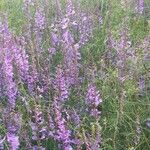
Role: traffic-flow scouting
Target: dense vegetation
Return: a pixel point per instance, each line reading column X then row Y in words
column 74, row 74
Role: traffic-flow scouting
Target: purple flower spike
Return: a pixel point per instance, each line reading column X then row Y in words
column 70, row 8
column 21, row 60
column 12, row 120
column 93, row 100
column 140, row 6
column 13, row 141
column 7, row 66
column 54, row 39
column 60, row 85
column 1, row 83
column 62, row 133
column 39, row 19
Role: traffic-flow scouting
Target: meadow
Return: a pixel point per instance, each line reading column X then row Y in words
column 74, row 74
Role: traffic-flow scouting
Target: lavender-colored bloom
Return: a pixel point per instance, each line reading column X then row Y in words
column 140, row 6
column 71, row 66
column 52, row 50
column 27, row 3
column 32, row 78
column 62, row 133
column 70, row 11
column 58, row 8
column 85, row 28
column 70, row 49
column 1, row 82
column 39, row 19
column 54, row 39
column 75, row 118
column 93, row 96
column 11, row 88
column 21, row 60
column 61, row 86
column 13, row 141
column 25, row 58
column 39, row 131
column 67, row 37
column 65, row 23
column 51, row 126
column 79, row 144
column 12, row 120
column 39, row 27
column 71, row 58
column 72, row 16
column 7, row 66
column 93, row 100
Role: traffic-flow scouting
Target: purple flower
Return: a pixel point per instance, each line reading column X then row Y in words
column 13, row 141
column 70, row 9
column 39, row 19
column 11, row 88
column 27, row 3
column 32, row 78
column 62, row 133
column 21, row 59
column 54, row 39
column 67, row 37
column 1, row 82
column 7, row 66
column 75, row 118
column 93, row 100
column 65, row 23
column 71, row 58
column 51, row 126
column 39, row 131
column 140, row 6
column 12, row 120
column 85, row 28
column 93, row 96
column 39, row 27
column 61, row 86
column 52, row 51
